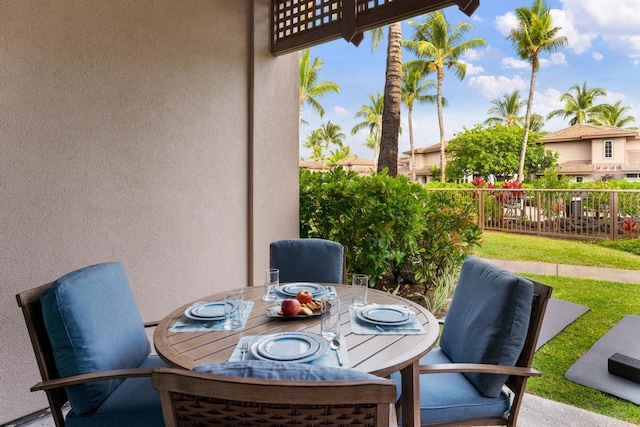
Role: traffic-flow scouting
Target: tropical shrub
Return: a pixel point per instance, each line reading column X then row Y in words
column 391, row 227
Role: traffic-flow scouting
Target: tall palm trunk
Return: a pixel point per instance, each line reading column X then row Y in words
column 443, row 158
column 412, row 164
column 392, row 100
column 527, row 119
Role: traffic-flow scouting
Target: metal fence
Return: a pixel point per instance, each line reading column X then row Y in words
column 575, row 214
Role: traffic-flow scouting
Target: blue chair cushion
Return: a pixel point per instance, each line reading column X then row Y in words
column 487, row 321
column 451, row 397
column 133, row 403
column 263, row 369
column 307, row 260
column 94, row 325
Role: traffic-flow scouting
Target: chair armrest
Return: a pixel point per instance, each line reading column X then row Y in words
column 481, row 368
column 151, row 324
column 93, row 376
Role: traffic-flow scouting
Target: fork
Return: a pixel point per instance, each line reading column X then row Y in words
column 203, row 325
column 243, row 350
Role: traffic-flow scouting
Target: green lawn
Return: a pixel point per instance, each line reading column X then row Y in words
column 608, row 303
column 532, row 248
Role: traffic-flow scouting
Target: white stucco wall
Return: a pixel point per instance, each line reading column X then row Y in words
column 143, row 132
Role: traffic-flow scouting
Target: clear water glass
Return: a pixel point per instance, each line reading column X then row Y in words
column 233, row 309
column 359, row 287
column 330, row 318
column 271, row 283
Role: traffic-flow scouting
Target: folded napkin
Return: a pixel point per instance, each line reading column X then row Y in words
column 364, row 328
column 330, row 358
column 184, row 324
column 331, row 291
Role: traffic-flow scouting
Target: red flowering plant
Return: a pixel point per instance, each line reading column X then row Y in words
column 630, row 225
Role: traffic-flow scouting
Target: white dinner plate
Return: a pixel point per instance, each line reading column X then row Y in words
column 213, row 310
column 385, row 315
column 294, row 346
column 292, row 289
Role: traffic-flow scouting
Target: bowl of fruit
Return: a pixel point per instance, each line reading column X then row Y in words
column 302, row 306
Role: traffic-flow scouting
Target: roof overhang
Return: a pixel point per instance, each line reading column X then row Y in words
column 299, row 24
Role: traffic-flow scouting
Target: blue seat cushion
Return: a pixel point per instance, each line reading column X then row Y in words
column 307, row 260
column 451, row 397
column 133, row 403
column 94, row 325
column 487, row 321
column 263, row 369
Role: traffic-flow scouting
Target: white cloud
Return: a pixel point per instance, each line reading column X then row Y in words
column 616, row 21
column 578, row 41
column 473, row 70
column 557, row 58
column 491, row 87
column 597, row 56
column 340, row 111
column 504, row 23
column 511, row 62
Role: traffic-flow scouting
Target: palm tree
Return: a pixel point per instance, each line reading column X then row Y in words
column 330, row 134
column 372, row 120
column 578, row 103
column 310, row 88
column 390, row 126
column 314, row 141
column 438, row 47
column 414, row 89
column 612, row 115
column 320, row 139
column 506, row 110
column 534, row 34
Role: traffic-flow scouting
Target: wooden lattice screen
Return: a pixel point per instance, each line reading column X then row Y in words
column 298, row 24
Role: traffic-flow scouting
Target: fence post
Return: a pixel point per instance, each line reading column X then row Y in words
column 613, row 214
column 539, row 211
column 481, row 209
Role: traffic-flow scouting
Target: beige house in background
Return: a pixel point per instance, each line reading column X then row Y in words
column 590, row 153
column 426, row 159
column 362, row 166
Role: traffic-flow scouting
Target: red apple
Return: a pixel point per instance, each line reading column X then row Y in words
column 290, row 307
column 304, row 296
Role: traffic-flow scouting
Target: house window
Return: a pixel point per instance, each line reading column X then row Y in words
column 579, row 178
column 608, row 149
column 633, row 176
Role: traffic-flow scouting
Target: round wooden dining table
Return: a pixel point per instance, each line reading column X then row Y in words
column 378, row 354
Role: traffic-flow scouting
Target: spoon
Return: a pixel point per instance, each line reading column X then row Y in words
column 335, row 345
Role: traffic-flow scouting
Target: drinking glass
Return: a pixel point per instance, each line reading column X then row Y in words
column 271, row 283
column 330, row 318
column 233, row 308
column 359, row 287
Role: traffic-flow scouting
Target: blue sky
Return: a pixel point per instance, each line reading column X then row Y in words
column 603, row 50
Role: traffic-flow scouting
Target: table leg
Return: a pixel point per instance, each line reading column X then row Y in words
column 411, row 395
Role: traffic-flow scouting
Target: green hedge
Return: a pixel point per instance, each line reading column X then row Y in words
column 388, row 225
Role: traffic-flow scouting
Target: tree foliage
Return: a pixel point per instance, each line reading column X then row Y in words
column 482, row 151
column 438, row 48
column 310, row 87
column 534, row 34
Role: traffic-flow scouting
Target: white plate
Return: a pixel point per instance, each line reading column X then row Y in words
column 385, row 315
column 213, row 310
column 292, row 289
column 298, row 346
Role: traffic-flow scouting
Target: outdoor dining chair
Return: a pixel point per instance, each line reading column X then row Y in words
column 92, row 349
column 478, row 374
column 259, row 393
column 308, row 260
